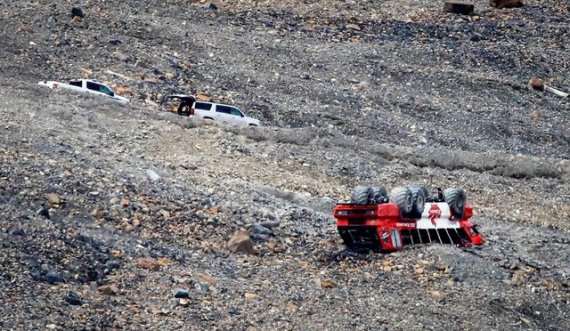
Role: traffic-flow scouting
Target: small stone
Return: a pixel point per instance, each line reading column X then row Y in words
column 148, row 263
column 208, row 279
column 181, row 293
column 202, row 287
column 233, row 311
column 419, row 270
column 435, row 294
column 536, row 114
column 500, row 4
column 73, row 299
column 463, row 7
column 251, row 297
column 53, row 199
column 165, row 214
column 536, row 84
column 108, row 289
column 125, row 202
column 210, row 6
column 51, row 326
column 54, row 278
column 441, row 266
column 152, row 175
column 44, row 211
column 77, row 12
column 184, row 302
column 241, row 243
column 327, row 284
column 353, row 27
column 112, row 265
column 291, row 306
column 260, row 229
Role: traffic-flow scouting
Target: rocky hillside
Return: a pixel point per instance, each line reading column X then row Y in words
column 120, row 217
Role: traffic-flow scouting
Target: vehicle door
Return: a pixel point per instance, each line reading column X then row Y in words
column 204, row 110
column 92, row 87
column 238, row 116
column 224, row 114
column 106, row 91
column 100, row 89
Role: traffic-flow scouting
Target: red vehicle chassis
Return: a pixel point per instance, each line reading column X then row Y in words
column 381, row 227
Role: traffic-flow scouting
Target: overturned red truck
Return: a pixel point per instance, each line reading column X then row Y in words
column 408, row 216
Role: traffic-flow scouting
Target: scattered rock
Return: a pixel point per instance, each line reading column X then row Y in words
column 181, row 293
column 54, row 278
column 108, row 289
column 536, row 114
column 435, row 295
column 151, row 174
column 260, row 229
column 53, row 200
column 77, row 12
column 112, row 265
column 251, row 297
column 327, row 284
column 353, row 27
column 184, row 302
column 201, row 287
column 536, row 84
column 500, row 4
column 241, row 243
column 463, row 7
column 44, row 211
column 210, row 6
column 208, row 279
column 152, row 264
column 73, row 299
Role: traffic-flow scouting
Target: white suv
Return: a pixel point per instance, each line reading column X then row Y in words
column 223, row 113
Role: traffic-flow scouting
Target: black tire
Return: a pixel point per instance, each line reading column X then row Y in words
column 402, row 196
column 361, row 195
column 456, row 199
column 378, row 195
column 419, row 199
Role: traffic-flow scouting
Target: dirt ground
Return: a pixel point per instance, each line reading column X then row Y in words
column 349, row 93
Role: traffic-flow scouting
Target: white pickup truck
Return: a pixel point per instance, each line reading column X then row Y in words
column 86, row 86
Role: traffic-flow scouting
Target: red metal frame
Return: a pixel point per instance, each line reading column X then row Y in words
column 382, row 227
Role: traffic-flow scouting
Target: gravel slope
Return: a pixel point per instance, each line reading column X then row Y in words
column 350, row 93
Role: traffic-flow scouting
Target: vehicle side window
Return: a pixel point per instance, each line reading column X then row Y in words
column 106, row 90
column 236, row 112
column 75, row 83
column 203, row 106
column 223, row 109
column 92, row 86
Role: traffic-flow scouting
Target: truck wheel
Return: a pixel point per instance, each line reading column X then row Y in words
column 378, row 195
column 402, row 196
column 361, row 195
column 455, row 198
column 419, row 199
